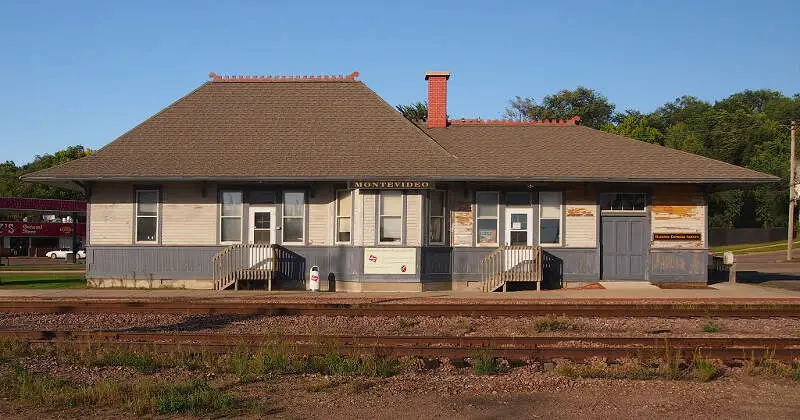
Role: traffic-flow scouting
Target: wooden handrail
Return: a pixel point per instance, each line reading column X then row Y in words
column 511, row 263
column 244, row 262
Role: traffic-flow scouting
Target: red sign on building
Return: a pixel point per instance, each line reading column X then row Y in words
column 39, row 229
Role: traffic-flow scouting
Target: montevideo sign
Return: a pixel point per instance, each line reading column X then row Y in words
column 391, row 185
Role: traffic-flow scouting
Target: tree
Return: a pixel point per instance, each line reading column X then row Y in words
column 594, row 109
column 635, row 125
column 417, row 111
column 12, row 186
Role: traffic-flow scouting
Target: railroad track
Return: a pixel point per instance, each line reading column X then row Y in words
column 211, row 307
column 728, row 349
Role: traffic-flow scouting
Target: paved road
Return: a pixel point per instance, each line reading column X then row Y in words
column 770, row 269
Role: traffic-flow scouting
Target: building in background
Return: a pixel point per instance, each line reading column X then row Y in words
column 33, row 226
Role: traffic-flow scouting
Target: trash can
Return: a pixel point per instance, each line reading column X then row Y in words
column 314, row 285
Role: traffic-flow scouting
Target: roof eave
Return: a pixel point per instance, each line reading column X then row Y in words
column 725, row 181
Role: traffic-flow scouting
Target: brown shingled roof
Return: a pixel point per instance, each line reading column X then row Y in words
column 578, row 153
column 339, row 129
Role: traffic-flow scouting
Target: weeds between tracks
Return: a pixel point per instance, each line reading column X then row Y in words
column 208, row 387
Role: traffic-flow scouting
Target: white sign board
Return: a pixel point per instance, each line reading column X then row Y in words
column 390, row 261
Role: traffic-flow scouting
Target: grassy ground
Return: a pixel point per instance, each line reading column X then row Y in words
column 44, row 267
column 753, row 248
column 42, row 280
column 188, row 382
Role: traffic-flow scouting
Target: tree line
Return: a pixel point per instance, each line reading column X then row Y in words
column 749, row 129
column 12, row 186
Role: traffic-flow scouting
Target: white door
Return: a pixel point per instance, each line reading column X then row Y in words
column 519, row 227
column 261, row 230
column 519, row 231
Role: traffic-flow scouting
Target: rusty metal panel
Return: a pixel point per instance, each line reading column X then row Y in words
column 462, row 218
column 678, row 209
column 580, row 224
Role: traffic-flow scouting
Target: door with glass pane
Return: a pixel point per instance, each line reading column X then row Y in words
column 261, row 231
column 519, row 232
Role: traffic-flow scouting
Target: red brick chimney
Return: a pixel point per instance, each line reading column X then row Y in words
column 437, row 98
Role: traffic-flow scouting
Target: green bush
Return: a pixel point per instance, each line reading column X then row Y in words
column 710, row 327
column 194, row 397
column 552, row 323
column 483, row 363
column 704, row 370
column 11, row 349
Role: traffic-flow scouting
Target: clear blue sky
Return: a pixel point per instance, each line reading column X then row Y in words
column 84, row 72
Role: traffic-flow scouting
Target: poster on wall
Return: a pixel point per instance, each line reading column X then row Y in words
column 390, row 261
column 487, row 236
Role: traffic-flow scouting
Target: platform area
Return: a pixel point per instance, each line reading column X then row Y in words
column 628, row 291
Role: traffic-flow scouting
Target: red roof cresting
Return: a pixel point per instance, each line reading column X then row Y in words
column 504, row 122
column 284, row 78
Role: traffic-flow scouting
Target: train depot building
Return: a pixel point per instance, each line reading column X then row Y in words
column 252, row 181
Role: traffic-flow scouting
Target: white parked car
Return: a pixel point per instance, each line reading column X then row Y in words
column 62, row 253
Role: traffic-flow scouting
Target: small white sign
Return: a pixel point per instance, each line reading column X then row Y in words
column 516, row 226
column 390, row 261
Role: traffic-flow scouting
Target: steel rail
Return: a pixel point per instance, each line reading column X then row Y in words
column 526, row 348
column 211, row 307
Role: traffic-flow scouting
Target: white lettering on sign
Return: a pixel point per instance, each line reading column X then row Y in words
column 390, row 261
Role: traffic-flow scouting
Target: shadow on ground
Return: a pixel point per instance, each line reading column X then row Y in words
column 788, row 281
column 194, row 323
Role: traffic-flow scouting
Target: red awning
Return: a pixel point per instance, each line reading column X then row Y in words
column 42, row 204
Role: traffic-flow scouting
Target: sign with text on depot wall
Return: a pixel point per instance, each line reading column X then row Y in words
column 677, row 236
column 393, row 184
column 390, row 261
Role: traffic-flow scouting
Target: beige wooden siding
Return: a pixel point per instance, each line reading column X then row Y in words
column 357, row 224
column 321, row 211
column 461, row 220
column 188, row 215
column 414, row 217
column 580, row 222
column 368, row 201
column 111, row 212
column 678, row 209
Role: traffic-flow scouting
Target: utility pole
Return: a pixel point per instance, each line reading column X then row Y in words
column 791, row 194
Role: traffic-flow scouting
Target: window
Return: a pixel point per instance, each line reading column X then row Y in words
column 294, row 211
column 436, row 215
column 146, row 215
column 487, row 212
column 344, row 209
column 262, row 227
column 231, row 217
column 391, row 217
column 550, row 217
column 623, row 202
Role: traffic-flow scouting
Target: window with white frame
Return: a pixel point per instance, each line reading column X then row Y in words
column 390, row 215
column 146, row 216
column 344, row 211
column 294, row 213
column 487, row 203
column 550, row 217
column 436, row 217
column 231, row 217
